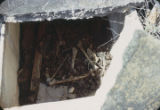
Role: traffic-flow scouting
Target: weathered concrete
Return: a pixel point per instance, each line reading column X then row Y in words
column 10, row 65
column 2, row 28
column 137, row 85
column 131, row 24
column 38, row 10
column 12, row 7
column 116, row 23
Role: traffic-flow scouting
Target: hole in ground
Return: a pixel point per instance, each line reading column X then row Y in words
column 62, row 59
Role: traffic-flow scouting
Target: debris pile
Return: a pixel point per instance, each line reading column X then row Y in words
column 150, row 17
column 63, row 53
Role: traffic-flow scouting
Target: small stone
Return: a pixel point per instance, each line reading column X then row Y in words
column 71, row 90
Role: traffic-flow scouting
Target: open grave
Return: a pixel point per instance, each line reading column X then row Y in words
column 62, row 56
column 55, row 60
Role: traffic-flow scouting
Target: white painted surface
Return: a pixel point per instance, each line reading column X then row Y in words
column 1, row 54
column 9, row 95
column 88, row 103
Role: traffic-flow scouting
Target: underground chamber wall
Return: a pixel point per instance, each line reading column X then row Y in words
column 61, row 59
column 9, row 87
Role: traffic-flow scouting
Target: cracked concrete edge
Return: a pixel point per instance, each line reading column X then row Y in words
column 131, row 24
column 101, row 10
column 2, row 31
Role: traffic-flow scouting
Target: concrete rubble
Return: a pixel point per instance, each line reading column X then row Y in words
column 137, row 84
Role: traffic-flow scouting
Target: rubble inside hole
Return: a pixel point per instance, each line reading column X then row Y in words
column 67, row 54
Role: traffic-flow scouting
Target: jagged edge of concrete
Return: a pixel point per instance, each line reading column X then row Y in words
column 131, row 25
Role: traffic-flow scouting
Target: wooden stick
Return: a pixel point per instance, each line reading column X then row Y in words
column 35, row 80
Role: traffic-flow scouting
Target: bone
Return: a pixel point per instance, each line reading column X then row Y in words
column 91, row 54
column 71, row 90
column 86, row 55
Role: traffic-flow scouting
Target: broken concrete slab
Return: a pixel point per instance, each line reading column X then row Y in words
column 137, row 85
column 131, row 24
column 12, row 7
column 133, row 75
column 37, row 10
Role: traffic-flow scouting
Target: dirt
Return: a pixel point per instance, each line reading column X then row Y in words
column 63, row 53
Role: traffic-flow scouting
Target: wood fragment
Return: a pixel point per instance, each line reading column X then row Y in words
column 36, row 71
